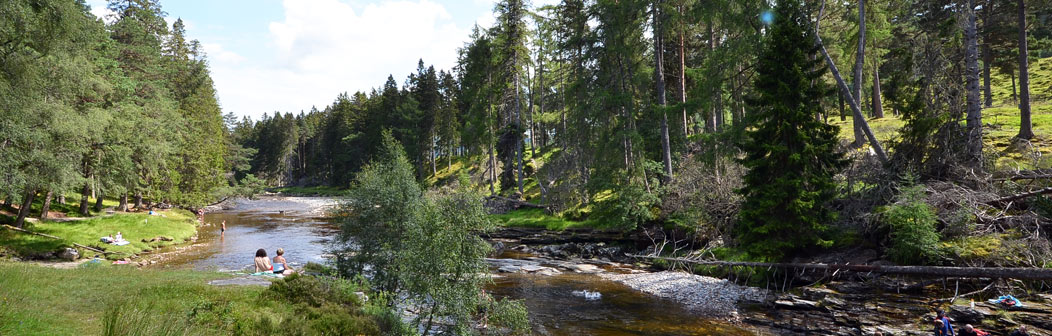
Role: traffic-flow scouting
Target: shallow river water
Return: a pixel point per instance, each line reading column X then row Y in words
column 557, row 304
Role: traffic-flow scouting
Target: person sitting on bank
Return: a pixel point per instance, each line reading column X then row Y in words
column 969, row 330
column 281, row 266
column 1020, row 332
column 947, row 329
column 262, row 262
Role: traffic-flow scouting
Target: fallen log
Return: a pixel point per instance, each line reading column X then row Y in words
column 55, row 237
column 517, row 203
column 1019, row 196
column 1023, row 273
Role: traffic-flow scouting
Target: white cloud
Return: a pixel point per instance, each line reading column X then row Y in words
column 325, row 47
column 217, row 54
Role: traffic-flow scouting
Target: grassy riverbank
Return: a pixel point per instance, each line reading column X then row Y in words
column 114, row 300
column 537, row 218
column 178, row 225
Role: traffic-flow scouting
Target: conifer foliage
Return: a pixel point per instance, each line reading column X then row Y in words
column 791, row 157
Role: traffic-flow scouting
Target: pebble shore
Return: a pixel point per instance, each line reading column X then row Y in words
column 700, row 293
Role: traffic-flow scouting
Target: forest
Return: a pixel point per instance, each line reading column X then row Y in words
column 667, row 116
column 714, row 149
column 125, row 109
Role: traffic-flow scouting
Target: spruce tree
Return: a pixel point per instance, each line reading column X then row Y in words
column 791, row 158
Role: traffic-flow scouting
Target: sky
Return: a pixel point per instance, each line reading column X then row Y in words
column 290, row 55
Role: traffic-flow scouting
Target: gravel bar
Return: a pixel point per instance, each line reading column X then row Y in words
column 704, row 294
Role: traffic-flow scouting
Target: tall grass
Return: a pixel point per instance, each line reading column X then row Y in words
column 132, row 320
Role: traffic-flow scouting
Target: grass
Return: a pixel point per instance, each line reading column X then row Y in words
column 1001, row 122
column 44, row 301
column 311, row 191
column 179, row 225
column 1001, row 125
column 538, row 218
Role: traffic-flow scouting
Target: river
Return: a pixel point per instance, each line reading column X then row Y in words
column 557, row 304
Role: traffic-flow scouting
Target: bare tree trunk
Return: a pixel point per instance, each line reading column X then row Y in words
column 683, row 79
column 98, row 201
column 877, row 148
column 434, row 157
column 710, row 118
column 974, row 119
column 659, row 78
column 1015, row 96
column 1025, row 125
column 138, row 200
column 843, row 116
column 739, row 107
column 492, row 170
column 123, row 206
column 878, row 107
column 856, row 89
column 27, row 203
column 61, row 198
column 988, row 58
column 44, row 208
column 518, row 128
column 84, row 193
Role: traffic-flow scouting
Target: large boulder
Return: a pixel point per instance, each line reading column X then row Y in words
column 67, row 253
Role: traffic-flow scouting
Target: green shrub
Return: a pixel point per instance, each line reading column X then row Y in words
column 912, row 226
column 625, row 210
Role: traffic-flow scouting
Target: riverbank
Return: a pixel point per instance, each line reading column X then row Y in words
column 115, row 300
column 143, row 231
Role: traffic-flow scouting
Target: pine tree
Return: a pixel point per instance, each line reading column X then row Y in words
column 791, row 157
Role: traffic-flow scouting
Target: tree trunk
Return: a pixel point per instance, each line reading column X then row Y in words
column 1025, row 126
column 974, row 119
column 710, row 118
column 987, row 59
column 878, row 107
column 860, row 57
column 843, row 116
column 1015, row 100
column 659, row 79
column 138, row 200
column 27, row 203
column 84, row 193
column 98, row 201
column 123, row 206
column 877, row 148
column 518, row 137
column 492, row 170
column 683, row 79
column 44, row 208
column 61, row 199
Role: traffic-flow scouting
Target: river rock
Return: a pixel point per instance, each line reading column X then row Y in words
column 585, row 268
column 67, row 253
column 967, row 314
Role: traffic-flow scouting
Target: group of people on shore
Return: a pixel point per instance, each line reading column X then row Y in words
column 279, row 266
column 944, row 328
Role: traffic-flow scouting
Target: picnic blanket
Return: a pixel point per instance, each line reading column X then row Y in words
column 268, row 274
column 1006, row 300
column 121, row 243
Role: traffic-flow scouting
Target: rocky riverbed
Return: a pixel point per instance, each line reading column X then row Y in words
column 819, row 304
column 706, row 295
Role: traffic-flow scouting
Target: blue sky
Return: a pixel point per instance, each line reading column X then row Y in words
column 289, row 55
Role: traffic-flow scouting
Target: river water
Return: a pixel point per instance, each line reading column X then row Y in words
column 557, row 304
